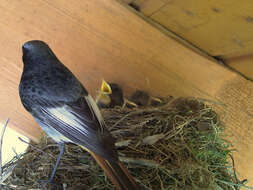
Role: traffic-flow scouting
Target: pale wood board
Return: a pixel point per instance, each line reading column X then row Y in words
column 102, row 39
column 243, row 64
column 220, row 28
column 148, row 7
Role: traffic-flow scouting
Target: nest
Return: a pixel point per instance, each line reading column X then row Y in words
column 175, row 145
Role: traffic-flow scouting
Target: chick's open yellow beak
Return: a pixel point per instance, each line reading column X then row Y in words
column 105, row 88
column 103, row 95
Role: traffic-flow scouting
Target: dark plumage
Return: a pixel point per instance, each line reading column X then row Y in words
column 66, row 112
column 46, row 84
column 117, row 98
column 141, row 98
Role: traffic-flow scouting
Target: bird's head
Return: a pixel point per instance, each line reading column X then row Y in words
column 38, row 52
column 103, row 98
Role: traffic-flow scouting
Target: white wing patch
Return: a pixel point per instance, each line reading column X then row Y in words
column 53, row 133
column 65, row 116
column 93, row 106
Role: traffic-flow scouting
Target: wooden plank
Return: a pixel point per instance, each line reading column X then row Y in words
column 230, row 38
column 102, row 39
column 149, row 7
column 217, row 27
column 128, row 1
column 242, row 64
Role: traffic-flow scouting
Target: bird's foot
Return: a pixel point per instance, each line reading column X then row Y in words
column 45, row 184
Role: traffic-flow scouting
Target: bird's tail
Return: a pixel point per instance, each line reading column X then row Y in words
column 117, row 172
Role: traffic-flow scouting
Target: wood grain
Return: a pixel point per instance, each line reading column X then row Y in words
column 242, row 64
column 218, row 28
column 221, row 28
column 149, row 7
column 102, row 39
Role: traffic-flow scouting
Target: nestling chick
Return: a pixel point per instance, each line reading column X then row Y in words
column 110, row 95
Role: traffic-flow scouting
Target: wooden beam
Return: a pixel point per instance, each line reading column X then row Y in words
column 102, row 39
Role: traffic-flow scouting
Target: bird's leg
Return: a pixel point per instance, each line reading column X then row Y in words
column 61, row 148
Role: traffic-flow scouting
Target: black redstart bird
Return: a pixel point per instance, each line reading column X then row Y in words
column 66, row 112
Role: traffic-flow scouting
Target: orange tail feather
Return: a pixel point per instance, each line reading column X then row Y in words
column 117, row 173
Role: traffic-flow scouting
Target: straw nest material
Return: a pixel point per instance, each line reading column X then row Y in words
column 175, row 145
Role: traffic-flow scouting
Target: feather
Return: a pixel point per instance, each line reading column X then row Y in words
column 76, row 122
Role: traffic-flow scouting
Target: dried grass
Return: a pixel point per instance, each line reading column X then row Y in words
column 176, row 145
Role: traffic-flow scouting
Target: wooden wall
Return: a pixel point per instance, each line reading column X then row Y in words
column 220, row 28
column 103, row 39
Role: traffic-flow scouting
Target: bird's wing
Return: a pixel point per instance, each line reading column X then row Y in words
column 79, row 122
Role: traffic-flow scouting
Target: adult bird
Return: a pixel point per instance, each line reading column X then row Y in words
column 66, row 112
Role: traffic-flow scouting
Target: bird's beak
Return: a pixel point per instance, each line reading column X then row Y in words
column 105, row 88
column 28, row 45
column 24, row 48
column 103, row 97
